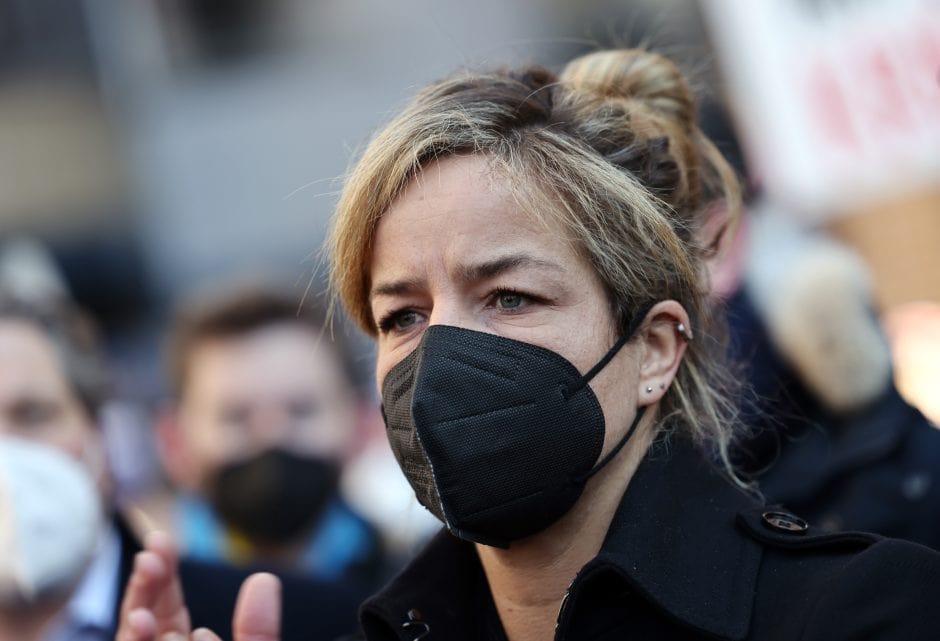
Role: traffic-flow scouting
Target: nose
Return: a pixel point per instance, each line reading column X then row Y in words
column 454, row 313
column 271, row 426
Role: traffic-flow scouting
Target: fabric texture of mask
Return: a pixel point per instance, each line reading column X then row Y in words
column 50, row 520
column 275, row 497
column 496, row 436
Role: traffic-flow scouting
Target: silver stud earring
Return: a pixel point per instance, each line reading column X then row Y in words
column 682, row 330
column 649, row 390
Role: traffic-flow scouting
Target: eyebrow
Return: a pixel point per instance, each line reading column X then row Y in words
column 503, row 264
column 394, row 288
column 470, row 273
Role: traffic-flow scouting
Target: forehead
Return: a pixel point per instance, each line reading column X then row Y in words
column 283, row 354
column 28, row 360
column 463, row 206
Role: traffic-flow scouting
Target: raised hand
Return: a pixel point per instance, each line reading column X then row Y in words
column 154, row 607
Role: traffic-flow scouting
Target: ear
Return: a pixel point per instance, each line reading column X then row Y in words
column 724, row 237
column 663, row 339
column 170, row 439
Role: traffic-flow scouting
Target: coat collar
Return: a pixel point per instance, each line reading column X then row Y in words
column 440, row 587
column 673, row 540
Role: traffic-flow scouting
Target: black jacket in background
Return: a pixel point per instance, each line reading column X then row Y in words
column 688, row 556
column 876, row 469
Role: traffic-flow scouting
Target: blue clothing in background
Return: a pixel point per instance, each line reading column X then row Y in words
column 343, row 544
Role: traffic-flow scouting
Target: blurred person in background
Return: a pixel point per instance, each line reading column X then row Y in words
column 53, row 382
column 50, row 521
column 830, row 436
column 267, row 412
column 833, row 439
column 523, row 247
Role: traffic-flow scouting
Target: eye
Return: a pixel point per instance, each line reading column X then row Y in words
column 511, row 300
column 33, row 414
column 235, row 416
column 398, row 321
column 302, row 409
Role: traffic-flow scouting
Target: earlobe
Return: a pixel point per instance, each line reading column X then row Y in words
column 665, row 335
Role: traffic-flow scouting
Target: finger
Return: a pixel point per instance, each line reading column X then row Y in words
column 170, row 610
column 160, row 543
column 155, row 586
column 150, row 573
column 145, row 583
column 137, row 625
column 258, row 609
column 204, row 634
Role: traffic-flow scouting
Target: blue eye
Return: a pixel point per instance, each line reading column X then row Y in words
column 405, row 319
column 509, row 300
column 398, row 321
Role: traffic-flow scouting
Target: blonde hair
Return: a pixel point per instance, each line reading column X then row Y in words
column 610, row 150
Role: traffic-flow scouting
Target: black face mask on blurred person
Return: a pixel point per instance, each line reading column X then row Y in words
column 275, row 497
column 497, row 437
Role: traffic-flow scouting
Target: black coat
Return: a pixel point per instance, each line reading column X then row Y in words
column 688, row 556
column 311, row 609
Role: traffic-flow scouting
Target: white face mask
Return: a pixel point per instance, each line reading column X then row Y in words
column 50, row 518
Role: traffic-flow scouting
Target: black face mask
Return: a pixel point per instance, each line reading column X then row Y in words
column 274, row 497
column 497, row 437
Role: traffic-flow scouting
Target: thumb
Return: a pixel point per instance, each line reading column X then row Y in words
column 258, row 609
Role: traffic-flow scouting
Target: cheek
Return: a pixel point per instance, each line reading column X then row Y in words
column 615, row 388
column 74, row 436
column 588, row 339
column 329, row 434
column 379, row 377
column 384, row 362
column 84, row 442
column 208, row 445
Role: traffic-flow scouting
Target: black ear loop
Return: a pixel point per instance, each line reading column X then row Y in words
column 632, row 328
column 623, row 340
column 619, row 446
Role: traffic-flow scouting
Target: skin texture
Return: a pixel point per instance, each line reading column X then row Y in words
column 455, row 249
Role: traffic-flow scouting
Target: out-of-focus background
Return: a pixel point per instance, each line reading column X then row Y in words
column 158, row 146
column 155, row 147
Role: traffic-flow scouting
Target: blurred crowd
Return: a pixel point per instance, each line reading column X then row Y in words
column 237, row 413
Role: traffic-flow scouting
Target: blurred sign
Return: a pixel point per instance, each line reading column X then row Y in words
column 839, row 100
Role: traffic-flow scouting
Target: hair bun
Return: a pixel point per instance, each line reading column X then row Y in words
column 634, row 75
column 637, row 110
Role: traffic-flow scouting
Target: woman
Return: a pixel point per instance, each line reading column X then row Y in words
column 522, row 247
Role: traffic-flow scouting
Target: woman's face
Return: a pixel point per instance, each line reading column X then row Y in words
column 456, row 249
